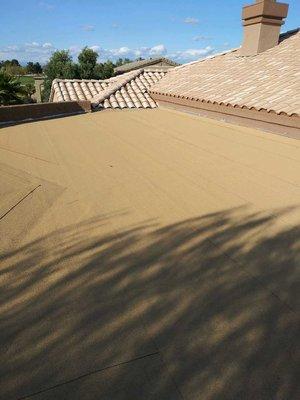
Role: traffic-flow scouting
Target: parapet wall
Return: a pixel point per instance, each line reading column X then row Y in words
column 26, row 112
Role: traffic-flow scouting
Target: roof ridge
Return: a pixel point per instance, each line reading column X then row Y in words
column 145, row 62
column 282, row 36
column 290, row 32
column 99, row 98
column 286, row 35
column 148, row 69
column 79, row 80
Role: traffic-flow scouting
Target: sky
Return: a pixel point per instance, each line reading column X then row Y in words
column 183, row 30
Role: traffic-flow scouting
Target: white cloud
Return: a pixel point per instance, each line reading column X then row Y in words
column 191, row 21
column 95, row 48
column 75, row 50
column 48, row 46
column 32, row 45
column 199, row 38
column 46, row 6
column 158, row 50
column 144, row 52
column 33, row 51
column 122, row 51
column 155, row 51
column 111, row 54
column 88, row 28
column 12, row 48
column 41, row 52
column 192, row 54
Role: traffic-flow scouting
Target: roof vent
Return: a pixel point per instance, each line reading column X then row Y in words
column 262, row 22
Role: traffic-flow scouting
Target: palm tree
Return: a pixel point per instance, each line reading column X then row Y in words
column 11, row 90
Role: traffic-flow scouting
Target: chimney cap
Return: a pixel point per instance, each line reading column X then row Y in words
column 265, row 8
column 262, row 21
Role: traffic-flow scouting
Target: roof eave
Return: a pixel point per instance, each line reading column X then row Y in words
column 280, row 121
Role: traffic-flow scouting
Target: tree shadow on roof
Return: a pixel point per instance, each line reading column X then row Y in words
column 214, row 298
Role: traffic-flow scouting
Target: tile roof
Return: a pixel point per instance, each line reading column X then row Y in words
column 129, row 90
column 144, row 63
column 268, row 81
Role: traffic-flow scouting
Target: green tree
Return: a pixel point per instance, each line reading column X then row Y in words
column 122, row 61
column 11, row 90
column 14, row 70
column 29, row 91
column 38, row 68
column 30, row 67
column 59, row 66
column 108, row 69
column 98, row 71
column 33, row 68
column 87, row 63
column 104, row 70
column 15, row 62
column 12, row 67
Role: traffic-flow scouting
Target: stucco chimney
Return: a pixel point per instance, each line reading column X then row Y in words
column 262, row 22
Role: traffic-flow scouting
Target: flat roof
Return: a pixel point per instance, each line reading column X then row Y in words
column 128, row 238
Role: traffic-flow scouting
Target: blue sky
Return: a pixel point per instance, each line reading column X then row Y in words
column 184, row 30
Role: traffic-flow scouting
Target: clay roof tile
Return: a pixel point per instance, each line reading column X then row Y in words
column 125, row 91
column 267, row 81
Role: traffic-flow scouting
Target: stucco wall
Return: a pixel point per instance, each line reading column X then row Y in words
column 24, row 112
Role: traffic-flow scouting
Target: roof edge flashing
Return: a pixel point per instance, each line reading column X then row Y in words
column 255, row 113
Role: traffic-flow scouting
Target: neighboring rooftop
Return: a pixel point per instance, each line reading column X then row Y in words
column 127, row 91
column 160, row 63
column 267, row 81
